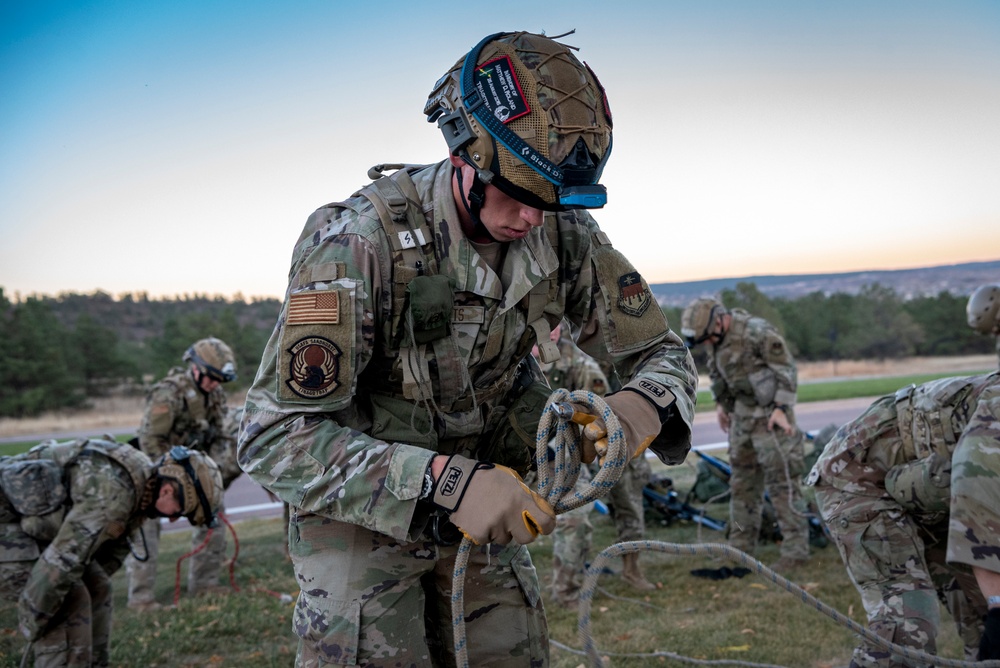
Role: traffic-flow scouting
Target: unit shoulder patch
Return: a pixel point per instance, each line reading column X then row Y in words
column 633, row 297
column 313, row 367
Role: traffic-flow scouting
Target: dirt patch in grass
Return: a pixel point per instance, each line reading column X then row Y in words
column 102, row 413
column 906, row 366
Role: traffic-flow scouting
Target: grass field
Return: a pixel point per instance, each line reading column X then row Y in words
column 739, row 619
column 844, row 389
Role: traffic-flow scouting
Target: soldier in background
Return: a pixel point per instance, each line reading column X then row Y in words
column 573, row 535
column 187, row 407
column 883, row 486
column 67, row 511
column 627, row 501
column 983, row 311
column 974, row 526
column 754, row 383
column 384, row 407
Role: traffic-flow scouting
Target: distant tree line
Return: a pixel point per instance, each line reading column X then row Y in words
column 876, row 323
column 56, row 352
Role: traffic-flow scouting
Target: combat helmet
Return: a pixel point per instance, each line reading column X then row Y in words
column 698, row 317
column 983, row 309
column 213, row 358
column 530, row 118
column 199, row 481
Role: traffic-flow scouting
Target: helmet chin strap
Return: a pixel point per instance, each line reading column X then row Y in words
column 474, row 204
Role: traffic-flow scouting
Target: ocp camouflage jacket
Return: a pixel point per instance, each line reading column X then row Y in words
column 752, row 370
column 367, row 375
column 84, row 514
column 179, row 413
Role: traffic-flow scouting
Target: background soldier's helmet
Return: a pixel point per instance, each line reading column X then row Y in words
column 213, row 358
column 530, row 118
column 200, row 483
column 698, row 317
column 983, row 309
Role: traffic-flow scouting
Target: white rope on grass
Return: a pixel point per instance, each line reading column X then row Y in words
column 556, row 483
column 743, row 559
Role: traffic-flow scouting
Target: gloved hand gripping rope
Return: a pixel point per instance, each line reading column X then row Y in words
column 558, row 428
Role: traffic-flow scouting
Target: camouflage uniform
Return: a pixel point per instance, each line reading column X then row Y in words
column 178, row 412
column 882, row 485
column 339, row 427
column 974, row 531
column 61, row 542
column 752, row 373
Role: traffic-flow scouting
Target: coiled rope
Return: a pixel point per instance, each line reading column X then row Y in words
column 556, row 480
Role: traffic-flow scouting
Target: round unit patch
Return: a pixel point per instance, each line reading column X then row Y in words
column 313, row 368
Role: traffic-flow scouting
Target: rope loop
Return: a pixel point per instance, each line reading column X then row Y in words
column 556, row 479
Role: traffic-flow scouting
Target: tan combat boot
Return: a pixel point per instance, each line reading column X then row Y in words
column 633, row 575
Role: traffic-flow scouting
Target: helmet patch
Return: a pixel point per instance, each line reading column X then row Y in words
column 633, row 297
column 500, row 90
column 313, row 367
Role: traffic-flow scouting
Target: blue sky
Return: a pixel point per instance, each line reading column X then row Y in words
column 177, row 147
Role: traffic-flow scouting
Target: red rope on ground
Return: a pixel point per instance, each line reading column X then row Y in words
column 284, row 598
column 236, row 552
column 177, row 574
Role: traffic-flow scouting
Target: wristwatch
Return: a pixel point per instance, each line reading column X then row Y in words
column 425, row 491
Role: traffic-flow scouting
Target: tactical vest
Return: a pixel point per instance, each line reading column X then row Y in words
column 200, row 432
column 34, row 482
column 420, row 319
column 423, row 306
column 737, row 373
column 933, row 415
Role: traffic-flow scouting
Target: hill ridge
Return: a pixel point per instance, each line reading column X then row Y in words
column 957, row 279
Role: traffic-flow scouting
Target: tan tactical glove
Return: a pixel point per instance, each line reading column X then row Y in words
column 490, row 504
column 641, row 407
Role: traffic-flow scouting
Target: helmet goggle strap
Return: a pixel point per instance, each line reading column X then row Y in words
column 218, row 375
column 182, row 456
column 474, row 203
column 575, row 179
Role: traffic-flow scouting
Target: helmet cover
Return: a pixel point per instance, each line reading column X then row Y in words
column 983, row 309
column 213, row 358
column 530, row 117
column 199, row 481
column 698, row 317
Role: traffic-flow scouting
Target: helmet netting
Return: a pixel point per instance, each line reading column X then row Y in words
column 567, row 103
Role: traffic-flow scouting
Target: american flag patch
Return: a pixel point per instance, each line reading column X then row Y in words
column 314, row 307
